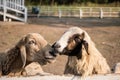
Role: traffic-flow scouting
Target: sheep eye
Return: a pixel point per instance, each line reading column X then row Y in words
column 31, row 42
column 70, row 40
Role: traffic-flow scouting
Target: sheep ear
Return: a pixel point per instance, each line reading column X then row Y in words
column 82, row 36
column 85, row 43
column 23, row 55
column 22, row 48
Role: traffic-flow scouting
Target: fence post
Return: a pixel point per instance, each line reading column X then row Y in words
column 25, row 14
column 110, row 12
column 10, row 4
column 38, row 15
column 80, row 13
column 5, row 10
column 101, row 13
column 60, row 13
column 91, row 12
column 48, row 11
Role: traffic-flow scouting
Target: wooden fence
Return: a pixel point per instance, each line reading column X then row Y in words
column 79, row 12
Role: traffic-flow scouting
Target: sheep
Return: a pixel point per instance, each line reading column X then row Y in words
column 84, row 59
column 31, row 48
column 116, row 68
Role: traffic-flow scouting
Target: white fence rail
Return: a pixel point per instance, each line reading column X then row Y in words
column 13, row 6
column 80, row 12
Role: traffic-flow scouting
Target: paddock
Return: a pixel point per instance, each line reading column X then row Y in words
column 106, row 36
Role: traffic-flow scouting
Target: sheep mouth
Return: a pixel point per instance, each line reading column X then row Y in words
column 49, row 57
column 48, row 53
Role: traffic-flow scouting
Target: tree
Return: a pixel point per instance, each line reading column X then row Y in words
column 40, row 1
column 52, row 2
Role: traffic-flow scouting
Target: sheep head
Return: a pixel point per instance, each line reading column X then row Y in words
column 71, row 42
column 33, row 44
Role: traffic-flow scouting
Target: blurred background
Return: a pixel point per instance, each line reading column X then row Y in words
column 81, row 3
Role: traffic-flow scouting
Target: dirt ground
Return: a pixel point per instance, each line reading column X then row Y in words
column 104, row 32
column 58, row 77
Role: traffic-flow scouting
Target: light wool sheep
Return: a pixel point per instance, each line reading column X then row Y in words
column 84, row 58
column 31, row 48
column 117, row 68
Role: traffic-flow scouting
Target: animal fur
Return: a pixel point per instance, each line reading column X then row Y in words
column 84, row 58
column 31, row 48
column 116, row 68
column 34, row 68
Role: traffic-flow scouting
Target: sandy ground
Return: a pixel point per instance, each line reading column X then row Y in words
column 57, row 77
column 104, row 32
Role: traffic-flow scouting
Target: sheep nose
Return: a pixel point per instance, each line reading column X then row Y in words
column 57, row 46
column 55, row 51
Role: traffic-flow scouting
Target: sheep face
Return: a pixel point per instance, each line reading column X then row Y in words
column 34, row 45
column 70, row 43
